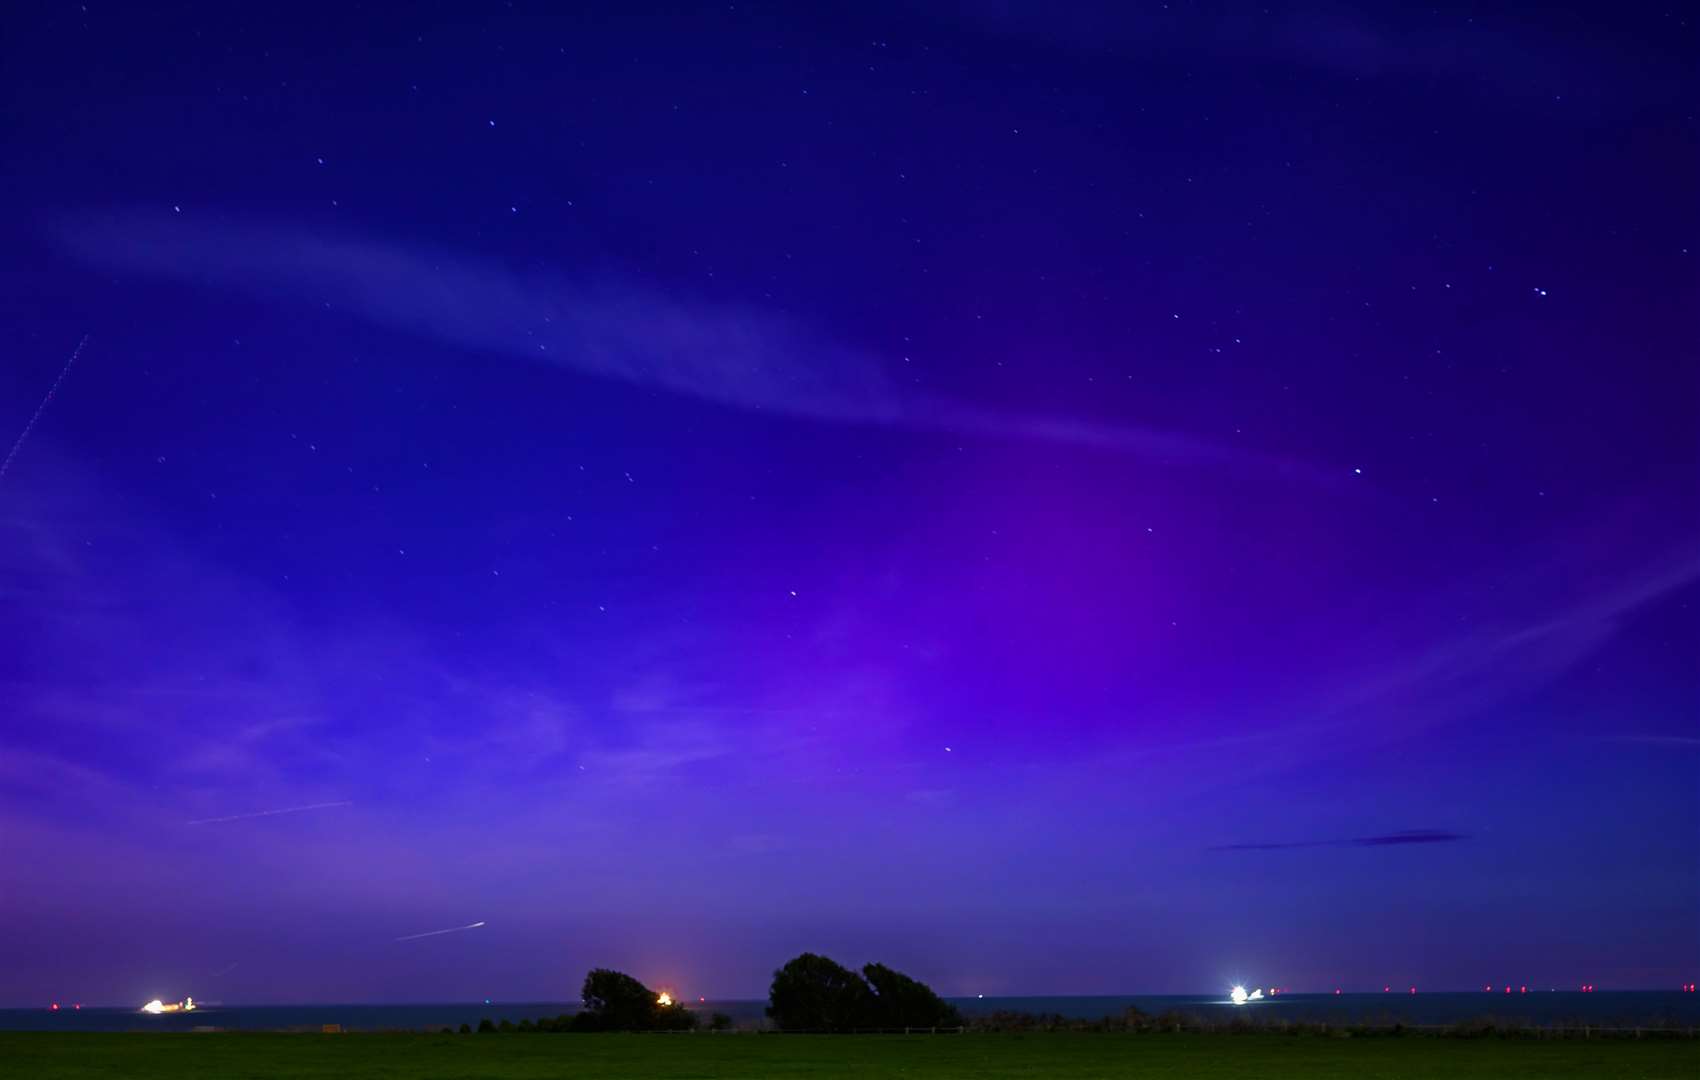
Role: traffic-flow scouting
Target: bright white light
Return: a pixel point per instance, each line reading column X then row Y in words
column 1237, row 995
column 665, row 999
column 155, row 1006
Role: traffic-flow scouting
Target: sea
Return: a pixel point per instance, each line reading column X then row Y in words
column 1628, row 1009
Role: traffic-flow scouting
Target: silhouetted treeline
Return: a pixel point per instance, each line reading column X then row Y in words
column 810, row 993
column 614, row 1001
column 813, row 993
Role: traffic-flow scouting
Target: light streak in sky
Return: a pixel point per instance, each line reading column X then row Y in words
column 450, row 930
column 270, row 813
column 39, row 409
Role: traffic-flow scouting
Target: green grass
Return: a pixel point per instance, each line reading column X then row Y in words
column 234, row 1056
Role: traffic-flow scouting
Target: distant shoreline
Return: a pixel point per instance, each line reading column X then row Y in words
column 1633, row 1008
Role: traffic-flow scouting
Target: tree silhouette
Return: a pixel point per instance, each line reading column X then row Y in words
column 614, row 1001
column 813, row 993
column 900, row 1001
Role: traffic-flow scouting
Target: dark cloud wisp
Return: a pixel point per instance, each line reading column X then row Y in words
column 1395, row 839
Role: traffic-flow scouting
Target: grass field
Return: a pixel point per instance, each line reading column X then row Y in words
column 235, row 1056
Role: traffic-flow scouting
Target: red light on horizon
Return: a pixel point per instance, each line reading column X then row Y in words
column 53, row 1007
column 1522, row 989
column 1413, row 989
column 1336, row 989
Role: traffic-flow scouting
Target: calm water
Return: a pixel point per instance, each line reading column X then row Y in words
column 1643, row 1008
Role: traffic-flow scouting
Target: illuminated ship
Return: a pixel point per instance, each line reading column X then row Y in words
column 156, row 1006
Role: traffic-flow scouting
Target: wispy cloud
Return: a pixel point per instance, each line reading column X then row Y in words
column 1413, row 836
column 742, row 357
column 1505, row 57
column 1674, row 742
column 1395, row 839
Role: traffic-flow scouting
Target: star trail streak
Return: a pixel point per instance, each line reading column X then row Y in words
column 29, row 426
column 270, row 813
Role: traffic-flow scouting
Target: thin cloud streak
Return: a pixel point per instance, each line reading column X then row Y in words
column 1398, row 839
column 1411, row 836
column 740, row 357
column 1680, row 742
column 1498, row 58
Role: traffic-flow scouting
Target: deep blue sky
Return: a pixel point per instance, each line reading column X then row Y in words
column 1052, row 500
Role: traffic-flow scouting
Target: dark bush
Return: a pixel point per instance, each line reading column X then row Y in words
column 719, row 1022
column 485, row 1025
column 466, row 1029
column 901, row 1002
column 674, row 1017
column 614, row 1001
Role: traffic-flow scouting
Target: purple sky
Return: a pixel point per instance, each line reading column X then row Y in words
column 1054, row 503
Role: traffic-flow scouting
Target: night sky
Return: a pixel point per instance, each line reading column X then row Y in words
column 1051, row 500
